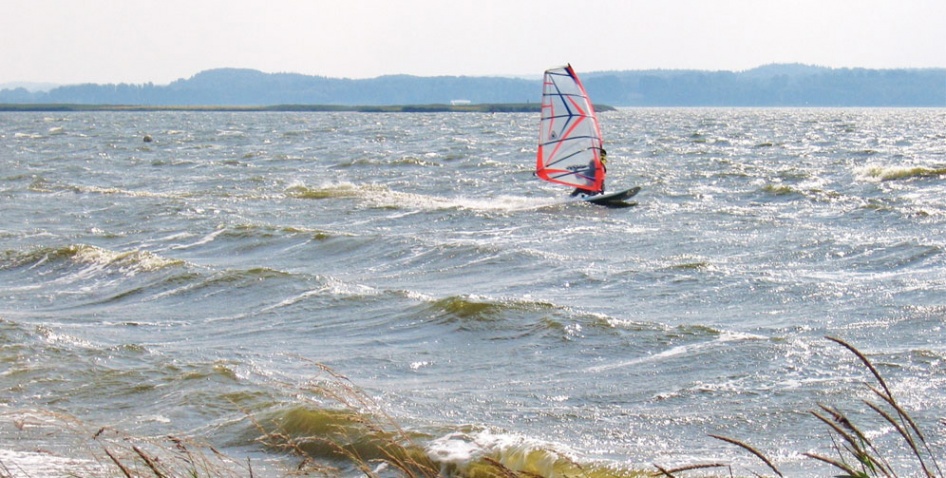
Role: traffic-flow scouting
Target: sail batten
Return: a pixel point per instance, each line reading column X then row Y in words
column 569, row 135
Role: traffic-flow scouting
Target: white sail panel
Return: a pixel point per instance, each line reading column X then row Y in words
column 569, row 136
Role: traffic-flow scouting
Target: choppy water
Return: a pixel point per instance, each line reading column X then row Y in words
column 175, row 286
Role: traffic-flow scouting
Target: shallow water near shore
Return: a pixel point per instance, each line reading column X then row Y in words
column 173, row 286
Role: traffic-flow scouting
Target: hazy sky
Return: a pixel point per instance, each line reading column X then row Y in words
column 139, row 41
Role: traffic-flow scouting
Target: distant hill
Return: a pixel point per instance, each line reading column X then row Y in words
column 769, row 85
column 772, row 85
column 28, row 86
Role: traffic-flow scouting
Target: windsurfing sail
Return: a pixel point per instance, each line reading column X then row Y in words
column 569, row 135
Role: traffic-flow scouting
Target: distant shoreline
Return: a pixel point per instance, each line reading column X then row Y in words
column 775, row 85
column 429, row 108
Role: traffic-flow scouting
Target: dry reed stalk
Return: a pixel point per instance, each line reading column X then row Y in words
column 903, row 423
column 851, row 473
column 906, row 420
column 117, row 462
column 898, row 426
column 377, row 422
column 669, row 473
column 750, row 449
column 503, row 470
column 148, row 461
column 854, row 444
column 857, row 445
column 867, row 363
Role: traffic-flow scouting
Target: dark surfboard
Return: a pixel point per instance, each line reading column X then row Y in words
column 616, row 199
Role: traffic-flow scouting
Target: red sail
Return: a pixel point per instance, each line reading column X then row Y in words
column 569, row 135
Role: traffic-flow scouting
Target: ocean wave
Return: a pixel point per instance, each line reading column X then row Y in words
column 125, row 262
column 515, row 318
column 81, row 276
column 472, row 309
column 126, row 192
column 41, row 185
column 339, row 435
column 477, row 453
column 399, row 161
column 330, row 433
column 899, row 173
column 780, row 190
column 716, row 339
column 231, row 277
column 810, row 191
column 329, row 287
column 248, row 235
column 467, row 308
column 330, row 441
column 689, row 263
column 382, row 197
column 873, row 259
column 332, row 191
column 258, row 232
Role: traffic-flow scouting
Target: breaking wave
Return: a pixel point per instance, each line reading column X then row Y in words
column 900, row 173
column 125, row 262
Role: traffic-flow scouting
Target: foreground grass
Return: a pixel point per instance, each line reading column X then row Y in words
column 853, row 454
column 359, row 439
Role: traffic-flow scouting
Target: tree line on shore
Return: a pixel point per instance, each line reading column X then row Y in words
column 767, row 86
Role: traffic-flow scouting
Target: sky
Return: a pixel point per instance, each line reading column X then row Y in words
column 159, row 41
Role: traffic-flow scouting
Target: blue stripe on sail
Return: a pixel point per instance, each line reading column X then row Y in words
column 563, row 158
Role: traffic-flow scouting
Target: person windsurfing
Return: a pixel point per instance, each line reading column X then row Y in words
column 604, row 167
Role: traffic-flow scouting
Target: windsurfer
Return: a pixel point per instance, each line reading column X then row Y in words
column 604, row 166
